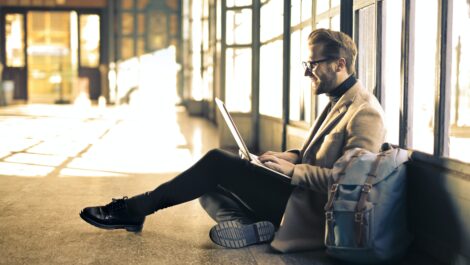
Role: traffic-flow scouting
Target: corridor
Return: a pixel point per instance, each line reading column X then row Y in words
column 55, row 160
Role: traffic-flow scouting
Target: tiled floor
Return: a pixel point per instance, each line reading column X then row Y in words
column 55, row 160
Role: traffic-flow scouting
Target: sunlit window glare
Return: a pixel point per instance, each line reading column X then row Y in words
column 460, row 89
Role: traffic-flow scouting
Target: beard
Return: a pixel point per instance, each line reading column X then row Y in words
column 325, row 82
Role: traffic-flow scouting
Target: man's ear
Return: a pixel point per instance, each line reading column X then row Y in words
column 341, row 64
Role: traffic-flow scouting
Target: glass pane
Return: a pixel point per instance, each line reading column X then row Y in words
column 300, row 91
column 392, row 58
column 157, row 30
column 197, row 91
column 142, row 4
column 335, row 3
column 424, row 75
column 322, row 6
column 52, row 56
column 306, row 9
column 232, row 3
column 335, row 23
column 127, row 48
column 366, row 47
column 460, row 99
column 172, row 4
column 127, row 23
column 296, row 68
column 141, row 46
column 173, row 25
column 324, row 23
column 219, row 22
column 239, row 26
column 205, row 35
column 89, row 40
column 238, row 80
column 127, row 4
column 306, row 82
column 295, row 12
column 141, row 25
column 272, row 17
column 271, row 79
column 14, row 40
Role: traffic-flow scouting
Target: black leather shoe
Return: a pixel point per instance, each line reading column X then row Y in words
column 114, row 215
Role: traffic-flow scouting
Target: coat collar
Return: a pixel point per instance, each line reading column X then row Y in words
column 338, row 111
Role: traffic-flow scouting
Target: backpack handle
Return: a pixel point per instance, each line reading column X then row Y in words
column 366, row 188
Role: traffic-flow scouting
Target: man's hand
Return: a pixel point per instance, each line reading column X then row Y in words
column 278, row 164
column 288, row 156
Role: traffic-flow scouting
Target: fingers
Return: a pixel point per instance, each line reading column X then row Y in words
column 272, row 165
column 268, row 153
column 268, row 158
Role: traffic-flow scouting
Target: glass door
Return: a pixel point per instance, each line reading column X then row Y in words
column 14, row 65
column 52, row 55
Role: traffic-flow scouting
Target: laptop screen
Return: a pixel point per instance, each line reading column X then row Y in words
column 233, row 128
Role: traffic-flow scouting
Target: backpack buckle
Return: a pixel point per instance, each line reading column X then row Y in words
column 329, row 216
column 334, row 187
column 366, row 188
column 358, row 217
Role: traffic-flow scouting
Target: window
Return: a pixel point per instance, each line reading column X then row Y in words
column 271, row 58
column 233, row 3
column 127, row 47
column 300, row 94
column 238, row 79
column 271, row 79
column 327, row 16
column 238, row 57
column 197, row 91
column 460, row 88
column 366, row 46
column 424, row 86
column 272, row 22
column 392, row 62
column 127, row 23
column 14, row 31
column 239, row 26
column 89, row 40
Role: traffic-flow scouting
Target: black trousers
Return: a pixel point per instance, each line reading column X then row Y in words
column 228, row 187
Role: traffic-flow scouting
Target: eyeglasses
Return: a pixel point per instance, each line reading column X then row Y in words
column 309, row 66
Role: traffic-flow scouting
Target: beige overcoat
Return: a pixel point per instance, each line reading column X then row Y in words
column 356, row 120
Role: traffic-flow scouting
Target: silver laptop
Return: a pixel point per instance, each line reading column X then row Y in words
column 241, row 144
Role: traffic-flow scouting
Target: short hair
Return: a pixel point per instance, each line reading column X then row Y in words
column 336, row 44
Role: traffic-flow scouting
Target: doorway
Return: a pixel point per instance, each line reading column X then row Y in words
column 51, row 56
column 52, row 51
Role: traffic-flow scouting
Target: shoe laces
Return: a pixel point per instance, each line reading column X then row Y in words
column 116, row 204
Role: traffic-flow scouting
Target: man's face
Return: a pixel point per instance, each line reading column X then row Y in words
column 323, row 75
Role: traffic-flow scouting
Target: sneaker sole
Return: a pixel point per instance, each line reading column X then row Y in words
column 232, row 234
column 129, row 228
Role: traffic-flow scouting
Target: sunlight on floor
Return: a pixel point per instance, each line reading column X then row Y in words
column 87, row 140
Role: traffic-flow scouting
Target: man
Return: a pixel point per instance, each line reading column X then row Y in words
column 249, row 203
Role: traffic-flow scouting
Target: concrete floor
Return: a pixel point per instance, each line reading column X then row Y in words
column 55, row 160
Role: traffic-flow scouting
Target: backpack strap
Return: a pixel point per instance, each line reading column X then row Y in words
column 366, row 188
column 333, row 190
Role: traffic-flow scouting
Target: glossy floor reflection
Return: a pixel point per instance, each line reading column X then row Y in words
column 55, row 160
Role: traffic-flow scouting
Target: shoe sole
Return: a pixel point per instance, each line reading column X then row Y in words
column 232, row 234
column 129, row 228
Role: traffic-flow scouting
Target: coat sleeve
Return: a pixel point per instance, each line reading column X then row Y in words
column 364, row 130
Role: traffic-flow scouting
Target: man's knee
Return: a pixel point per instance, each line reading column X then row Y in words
column 205, row 201
column 215, row 153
